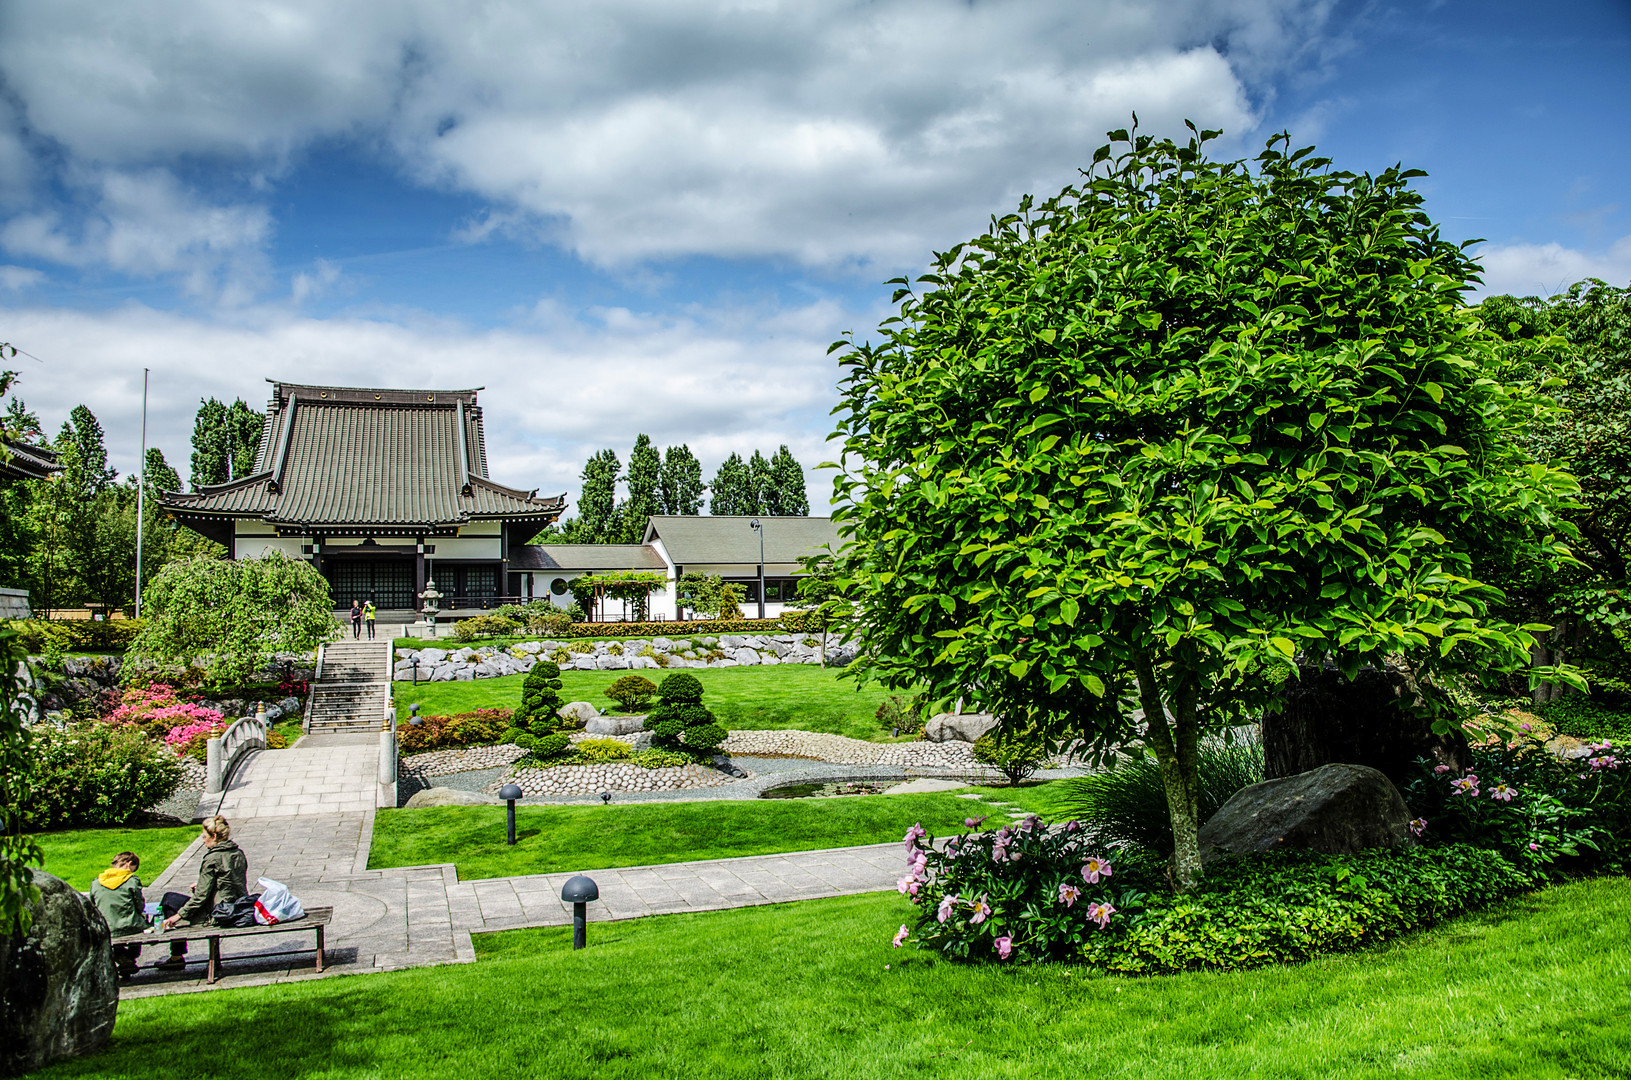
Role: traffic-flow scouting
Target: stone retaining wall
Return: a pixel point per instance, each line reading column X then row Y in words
column 631, row 654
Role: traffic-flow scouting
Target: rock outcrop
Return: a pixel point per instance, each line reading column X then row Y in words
column 1338, row 809
column 445, row 796
column 958, row 727
column 59, row 993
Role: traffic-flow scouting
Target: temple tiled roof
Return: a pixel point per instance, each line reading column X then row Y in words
column 596, row 557
column 344, row 456
column 28, row 462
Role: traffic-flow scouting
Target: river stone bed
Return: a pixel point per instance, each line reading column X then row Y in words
column 615, row 777
column 705, row 651
column 462, row 759
column 842, row 750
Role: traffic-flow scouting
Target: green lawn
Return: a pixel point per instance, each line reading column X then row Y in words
column 78, row 855
column 1536, row 989
column 801, row 696
column 556, row 838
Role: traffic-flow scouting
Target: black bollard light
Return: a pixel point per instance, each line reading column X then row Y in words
column 415, row 662
column 605, row 798
column 509, row 793
column 578, row 891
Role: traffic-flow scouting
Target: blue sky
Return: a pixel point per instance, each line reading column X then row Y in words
column 654, row 215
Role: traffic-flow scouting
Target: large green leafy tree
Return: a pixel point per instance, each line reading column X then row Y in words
column 1580, row 339
column 225, row 438
column 1142, row 444
column 733, row 489
column 645, row 474
column 786, row 494
column 681, row 484
column 231, row 617
column 761, row 484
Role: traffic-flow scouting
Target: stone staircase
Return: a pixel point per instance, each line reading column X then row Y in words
column 353, row 690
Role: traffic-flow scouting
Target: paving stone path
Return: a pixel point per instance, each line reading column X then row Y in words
column 294, row 814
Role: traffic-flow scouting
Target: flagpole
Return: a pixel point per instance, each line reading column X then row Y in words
column 141, row 496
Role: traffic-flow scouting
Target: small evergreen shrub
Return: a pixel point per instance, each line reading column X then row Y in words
column 541, row 700
column 632, row 692
column 680, row 689
column 658, row 758
column 599, row 750
column 485, row 626
column 551, row 746
column 1015, row 754
column 680, row 721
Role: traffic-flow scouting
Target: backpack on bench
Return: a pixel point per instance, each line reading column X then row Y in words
column 241, row 912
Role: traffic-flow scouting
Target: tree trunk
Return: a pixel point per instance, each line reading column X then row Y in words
column 1547, row 652
column 1176, row 747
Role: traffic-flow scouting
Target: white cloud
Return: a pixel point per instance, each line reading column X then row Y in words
column 1546, row 269
column 559, row 385
column 826, row 132
column 15, row 278
column 147, row 225
column 319, row 280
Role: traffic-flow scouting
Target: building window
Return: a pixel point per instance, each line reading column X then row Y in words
column 558, row 586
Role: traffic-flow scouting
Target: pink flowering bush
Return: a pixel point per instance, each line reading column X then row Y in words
column 1544, row 813
column 1022, row 891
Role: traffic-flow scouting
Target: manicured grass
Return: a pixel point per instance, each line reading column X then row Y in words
column 555, row 838
column 802, row 696
column 77, row 856
column 1534, row 990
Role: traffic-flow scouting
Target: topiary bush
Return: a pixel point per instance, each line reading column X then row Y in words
column 632, row 692
column 93, row 773
column 1127, row 805
column 541, row 700
column 1015, row 754
column 680, row 721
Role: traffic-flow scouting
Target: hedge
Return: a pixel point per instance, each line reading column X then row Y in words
column 792, row 622
column 76, row 635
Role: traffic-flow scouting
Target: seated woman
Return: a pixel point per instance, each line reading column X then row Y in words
column 222, row 879
column 117, row 894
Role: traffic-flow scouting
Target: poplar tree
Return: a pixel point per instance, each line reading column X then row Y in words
column 597, row 499
column 760, row 484
column 225, row 439
column 681, row 487
column 645, row 474
column 732, row 487
column 787, row 496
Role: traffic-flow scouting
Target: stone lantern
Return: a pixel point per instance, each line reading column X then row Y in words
column 432, row 604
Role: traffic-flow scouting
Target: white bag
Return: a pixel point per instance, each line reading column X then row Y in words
column 276, row 904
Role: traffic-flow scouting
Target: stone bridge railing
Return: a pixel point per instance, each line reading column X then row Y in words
column 223, row 752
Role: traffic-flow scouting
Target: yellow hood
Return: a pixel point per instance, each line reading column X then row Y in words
column 114, row 876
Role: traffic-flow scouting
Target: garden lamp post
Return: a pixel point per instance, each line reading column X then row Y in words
column 415, row 662
column 413, row 715
column 509, row 793
column 578, row 891
column 759, row 528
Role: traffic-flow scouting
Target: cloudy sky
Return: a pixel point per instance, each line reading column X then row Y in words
column 654, row 215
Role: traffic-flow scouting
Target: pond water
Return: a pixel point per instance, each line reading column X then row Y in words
column 829, row 789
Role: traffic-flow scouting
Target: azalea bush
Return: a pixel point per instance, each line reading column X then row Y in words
column 1544, row 813
column 158, row 710
column 1028, row 893
column 189, row 739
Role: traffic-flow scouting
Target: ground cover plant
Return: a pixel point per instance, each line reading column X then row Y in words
column 552, row 838
column 801, row 696
column 1147, row 442
column 78, row 855
column 1534, row 989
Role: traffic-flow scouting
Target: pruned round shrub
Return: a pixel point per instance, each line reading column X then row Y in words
column 633, row 692
column 1014, row 754
column 485, row 626
column 680, row 689
column 704, row 737
column 514, row 736
column 94, row 773
column 668, row 730
column 604, row 749
column 550, row 746
column 540, row 700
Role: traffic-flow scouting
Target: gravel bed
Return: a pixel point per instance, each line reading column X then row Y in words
column 841, row 750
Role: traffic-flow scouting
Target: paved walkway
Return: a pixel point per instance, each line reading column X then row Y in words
column 298, row 818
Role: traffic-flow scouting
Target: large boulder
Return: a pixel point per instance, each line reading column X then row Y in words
column 958, row 727
column 446, row 796
column 1338, row 809
column 59, row 992
column 579, row 712
column 615, row 725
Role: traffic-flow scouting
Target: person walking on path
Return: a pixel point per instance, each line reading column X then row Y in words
column 368, row 614
column 117, row 894
column 356, row 619
column 222, row 879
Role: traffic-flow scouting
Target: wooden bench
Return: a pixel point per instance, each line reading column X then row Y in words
column 316, row 918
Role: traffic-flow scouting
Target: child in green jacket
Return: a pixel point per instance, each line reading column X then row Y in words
column 117, row 894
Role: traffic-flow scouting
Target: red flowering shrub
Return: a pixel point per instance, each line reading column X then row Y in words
column 483, row 727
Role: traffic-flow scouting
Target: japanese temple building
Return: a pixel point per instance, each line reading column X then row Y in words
column 378, row 489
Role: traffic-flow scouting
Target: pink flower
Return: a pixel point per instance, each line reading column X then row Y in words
column 1072, row 826
column 1465, row 786
column 1069, row 894
column 1534, row 847
column 1500, row 792
column 1100, row 913
column 974, row 822
column 1418, row 826
column 1005, row 945
column 982, row 910
column 913, row 835
column 918, row 865
column 1095, row 868
column 901, row 935
column 1440, row 770
column 908, row 886
column 947, row 902
column 1604, row 762
column 1525, row 727
column 1029, row 824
